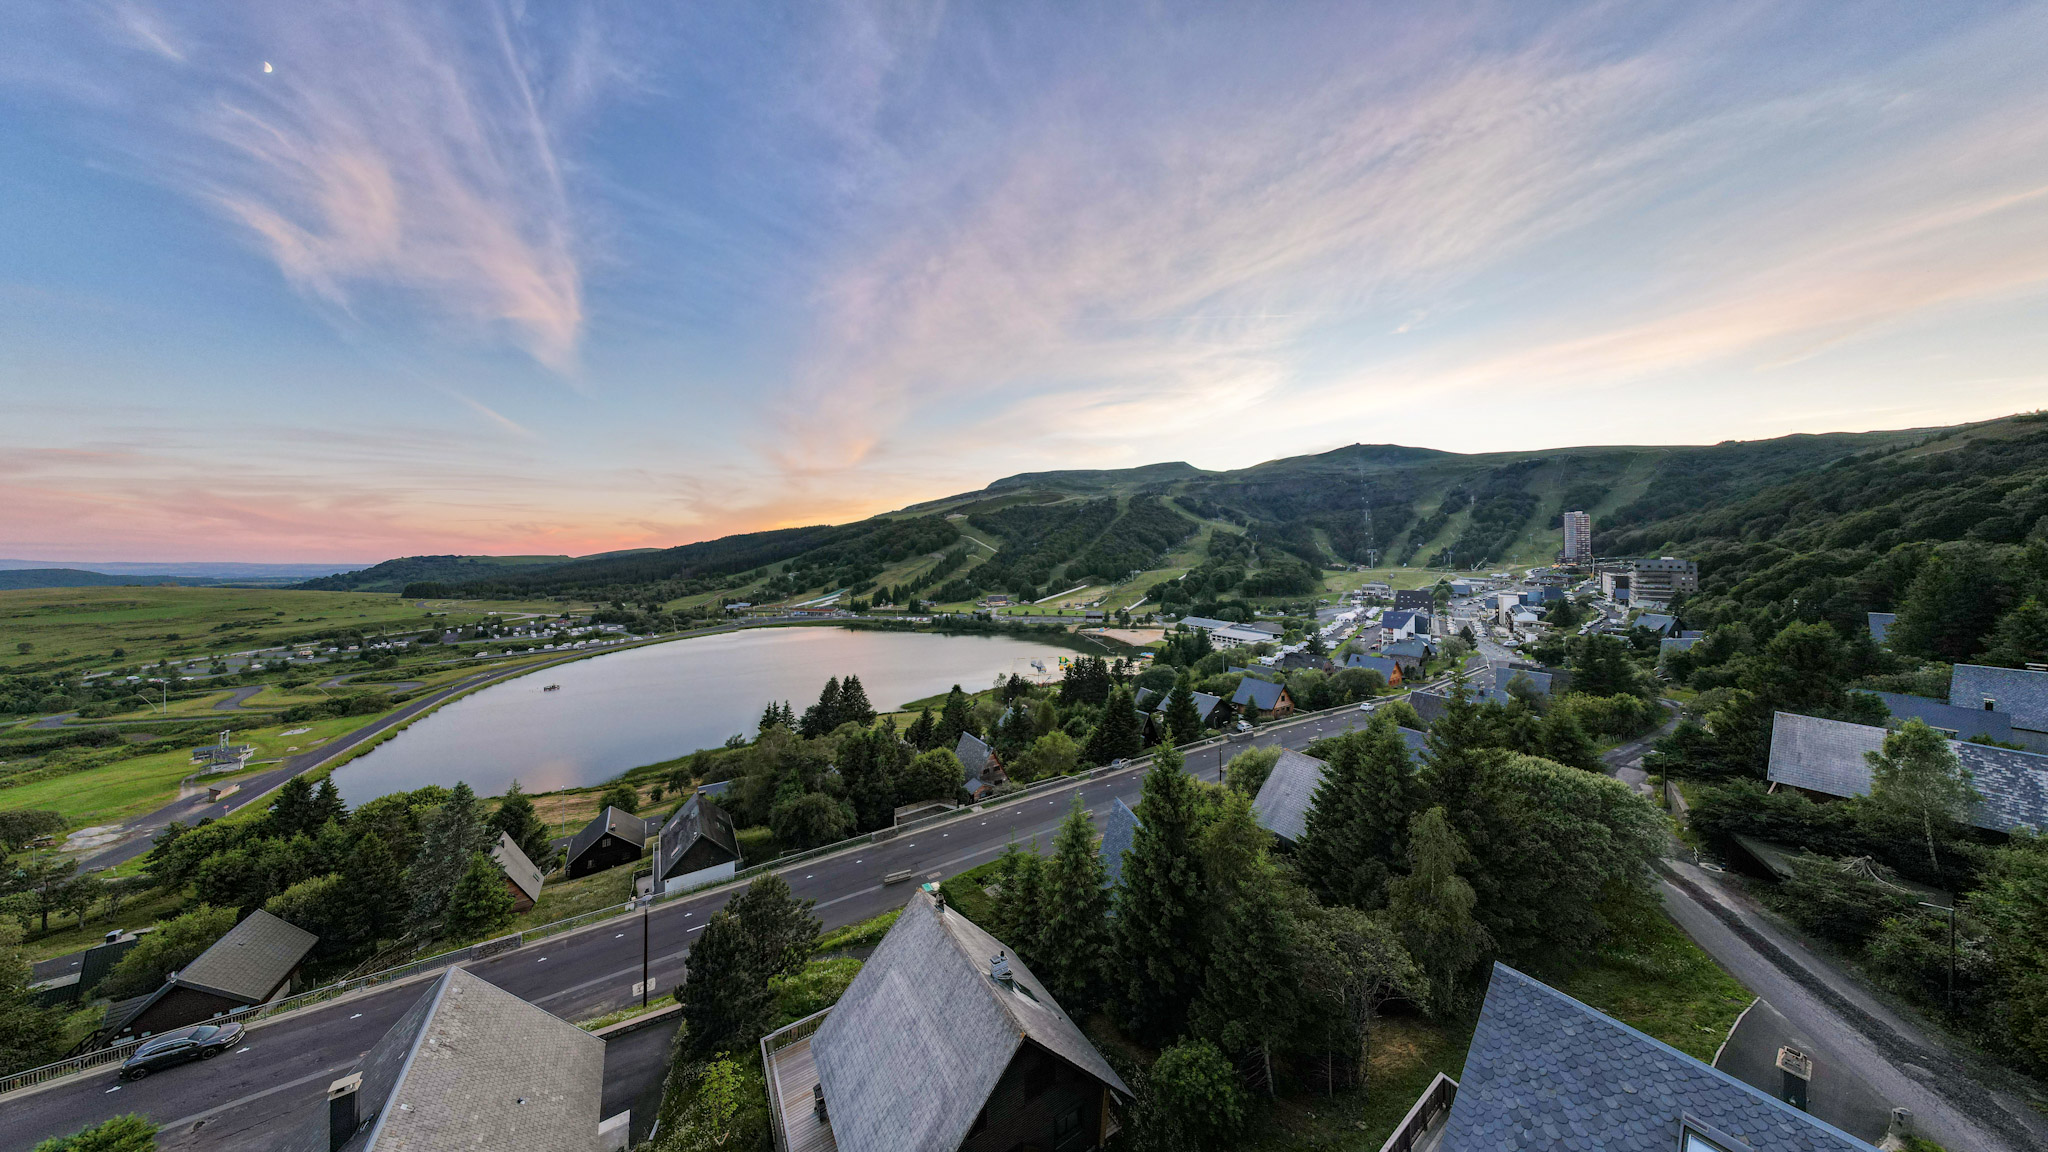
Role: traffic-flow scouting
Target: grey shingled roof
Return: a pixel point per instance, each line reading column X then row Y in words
column 974, row 756
column 697, row 817
column 1284, row 799
column 517, row 867
column 1416, row 647
column 1880, row 624
column 1117, row 835
column 2018, row 692
column 1383, row 665
column 909, row 1055
column 250, row 961
column 1656, row 621
column 612, row 821
column 1417, row 742
column 1503, row 674
column 1827, row 756
column 471, row 1066
column 1428, row 705
column 1966, row 723
column 1545, row 1071
column 1261, row 694
column 1676, row 644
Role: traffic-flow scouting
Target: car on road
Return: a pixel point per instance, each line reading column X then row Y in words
column 199, row 1042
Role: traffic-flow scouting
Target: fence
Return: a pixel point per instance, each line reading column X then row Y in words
column 1428, row 1110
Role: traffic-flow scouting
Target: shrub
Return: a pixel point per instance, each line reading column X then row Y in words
column 166, row 950
column 1835, row 901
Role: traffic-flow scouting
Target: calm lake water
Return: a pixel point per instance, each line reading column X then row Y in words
column 642, row 705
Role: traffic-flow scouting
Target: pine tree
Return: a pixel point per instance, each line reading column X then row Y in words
column 1182, row 719
column 864, row 765
column 517, row 819
column 1433, row 907
column 1160, row 904
column 327, row 804
column 1459, row 754
column 1120, row 735
column 291, row 811
column 726, row 1003
column 454, row 832
column 923, row 731
column 1074, row 945
column 481, row 903
column 780, row 928
column 1251, row 989
column 820, row 718
column 770, row 717
column 1020, row 912
column 377, row 887
column 853, row 704
column 2021, row 636
column 1565, row 741
column 956, row 717
column 1358, row 819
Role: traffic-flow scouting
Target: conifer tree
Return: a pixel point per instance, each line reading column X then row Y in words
column 377, row 887
column 770, row 717
column 1074, row 946
column 1120, row 735
column 517, row 819
column 1459, row 753
column 327, row 804
column 1251, row 988
column 822, row 717
column 1433, row 907
column 1182, row 719
column 864, row 764
column 726, row 1003
column 454, row 832
column 1357, row 833
column 291, row 810
column 923, row 731
column 853, row 704
column 1565, row 741
column 1020, row 902
column 956, row 717
column 1160, row 904
column 480, row 903
column 2020, row 637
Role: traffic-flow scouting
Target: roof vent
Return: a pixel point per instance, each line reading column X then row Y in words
column 999, row 969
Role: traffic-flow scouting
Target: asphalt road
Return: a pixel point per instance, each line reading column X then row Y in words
column 241, row 1100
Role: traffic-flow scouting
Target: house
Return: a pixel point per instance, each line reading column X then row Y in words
column 1656, row 622
column 945, row 1042
column 696, row 846
column 1401, row 625
column 468, row 1066
column 1262, row 696
column 1117, row 836
column 984, row 767
column 714, row 788
column 250, row 965
column 1951, row 721
column 1152, row 708
column 2021, row 693
column 1828, row 758
column 1546, row 1071
column 1284, row 800
column 1388, row 668
column 1417, row 598
column 1429, row 706
column 1494, row 685
column 1302, row 662
column 1411, row 655
column 1463, row 588
column 613, row 837
column 1880, row 624
column 1670, row 644
column 521, row 877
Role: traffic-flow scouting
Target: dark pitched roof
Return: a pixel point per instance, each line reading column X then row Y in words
column 1504, row 674
column 698, row 817
column 616, row 822
column 1147, row 698
column 250, row 961
column 1401, row 619
column 517, row 867
column 471, row 1066
column 1289, row 791
column 909, row 1055
column 1429, row 706
column 1827, row 756
column 1415, row 647
column 1966, row 723
column 1418, row 742
column 1261, row 694
column 2021, row 693
column 1656, row 622
column 1117, row 835
column 974, row 756
column 1384, row 665
column 1880, row 624
column 1675, row 644
column 1545, row 1071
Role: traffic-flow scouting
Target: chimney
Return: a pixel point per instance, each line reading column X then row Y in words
column 342, row 1120
column 999, row 969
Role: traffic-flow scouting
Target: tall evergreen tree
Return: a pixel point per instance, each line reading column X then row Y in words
column 2021, row 636
column 780, row 928
column 517, row 819
column 291, row 810
column 376, row 886
column 1252, row 987
column 956, row 717
column 327, row 804
column 1952, row 605
column 726, row 1002
column 1459, row 752
column 480, row 902
column 1564, row 740
column 770, row 717
column 1182, row 719
column 853, row 703
column 923, row 732
column 1019, row 911
column 1433, row 905
column 864, row 763
column 1120, row 735
column 1357, row 835
column 1160, row 904
column 454, row 832
column 1074, row 947
column 822, row 717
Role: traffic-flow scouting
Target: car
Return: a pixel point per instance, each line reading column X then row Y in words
column 199, row 1042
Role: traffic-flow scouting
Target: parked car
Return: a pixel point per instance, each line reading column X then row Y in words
column 199, row 1042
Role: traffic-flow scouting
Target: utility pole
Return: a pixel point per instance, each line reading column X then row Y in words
column 645, row 909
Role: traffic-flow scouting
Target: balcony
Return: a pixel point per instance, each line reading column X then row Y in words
column 794, row 1106
column 1422, row 1130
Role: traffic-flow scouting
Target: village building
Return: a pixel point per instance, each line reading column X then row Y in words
column 945, row 1042
column 1289, row 792
column 697, row 846
column 1417, row 598
column 522, row 878
column 1388, row 668
column 253, row 964
column 1828, row 758
column 1662, row 580
column 613, row 837
column 1262, row 698
column 1947, row 719
column 2020, row 693
column 984, row 767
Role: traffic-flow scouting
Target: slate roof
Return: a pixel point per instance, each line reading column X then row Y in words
column 1147, row 698
column 517, row 867
column 1284, row 799
column 1826, row 756
column 1881, row 624
column 1545, row 1071
column 471, row 1066
column 252, row 960
column 1416, row 648
column 1504, row 673
column 1656, row 621
column 1675, row 644
column 612, row 821
column 1966, row 723
column 2018, row 692
column 1428, row 705
column 974, row 755
column 1117, row 835
column 909, row 1055
column 1383, row 665
column 1418, row 742
column 1261, row 694
column 1204, row 622
column 697, row 817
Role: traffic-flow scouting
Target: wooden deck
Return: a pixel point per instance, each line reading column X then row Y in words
column 792, row 1074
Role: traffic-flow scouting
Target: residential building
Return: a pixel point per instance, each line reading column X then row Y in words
column 945, row 1042
column 522, row 879
column 696, row 846
column 1401, row 623
column 1411, row 655
column 1152, row 706
column 469, row 1066
column 1656, row 622
column 1613, row 581
column 1663, row 579
column 252, row 964
column 1429, row 706
column 1494, row 683
column 1829, row 758
column 1578, row 538
column 1289, row 792
column 1257, row 697
column 1947, row 719
column 1415, row 598
column 2021, row 693
column 1463, row 588
column 613, row 837
column 1117, row 835
column 1545, row 1071
column 1880, row 624
column 1388, row 668
column 984, row 767
column 1670, row 644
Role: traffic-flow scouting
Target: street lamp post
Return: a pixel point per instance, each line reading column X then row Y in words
column 645, row 909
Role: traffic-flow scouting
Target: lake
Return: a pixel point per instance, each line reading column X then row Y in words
column 642, row 705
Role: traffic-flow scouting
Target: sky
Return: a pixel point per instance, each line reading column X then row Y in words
column 346, row 281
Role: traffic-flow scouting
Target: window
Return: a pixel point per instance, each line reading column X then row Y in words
column 1066, row 1131
column 1694, row 1136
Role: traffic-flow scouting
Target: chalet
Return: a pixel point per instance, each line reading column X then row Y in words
column 984, row 767
column 1401, row 625
column 2021, row 693
column 251, row 965
column 1880, row 624
column 1417, row 598
column 1152, row 707
column 1657, row 622
column 696, row 846
column 613, row 837
column 1429, row 706
column 1284, row 800
column 1262, row 697
column 468, row 1066
column 1117, row 836
column 1388, row 668
column 945, row 1042
column 1670, row 644
column 1828, row 758
column 1947, row 719
column 521, row 877
column 1411, row 655
column 1546, row 1071
column 1494, row 685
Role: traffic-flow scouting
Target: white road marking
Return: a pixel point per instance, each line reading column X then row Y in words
column 697, row 928
column 239, row 1051
column 542, row 960
column 357, row 1016
column 620, row 936
column 115, row 1088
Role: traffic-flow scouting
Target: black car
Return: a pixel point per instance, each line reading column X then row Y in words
column 200, row 1042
